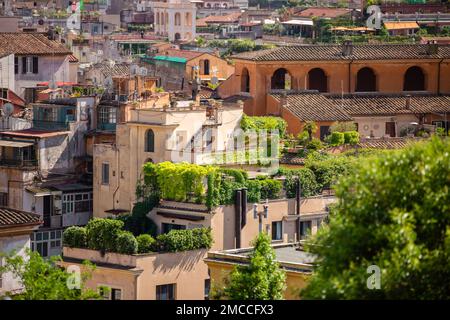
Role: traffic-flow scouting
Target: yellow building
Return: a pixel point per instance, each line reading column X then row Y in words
column 296, row 263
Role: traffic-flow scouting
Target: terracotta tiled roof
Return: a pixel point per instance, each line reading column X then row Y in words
column 388, row 143
column 117, row 70
column 309, row 106
column 292, row 158
column 11, row 217
column 229, row 18
column 323, row 12
column 30, row 43
column 334, row 52
column 378, row 104
column 72, row 58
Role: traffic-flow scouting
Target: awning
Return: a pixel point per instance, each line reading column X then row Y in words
column 16, row 144
column 41, row 191
column 180, row 216
column 299, row 22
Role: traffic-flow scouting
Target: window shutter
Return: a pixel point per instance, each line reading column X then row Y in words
column 24, row 65
column 35, row 65
column 16, row 65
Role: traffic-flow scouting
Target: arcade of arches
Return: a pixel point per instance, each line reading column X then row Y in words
column 259, row 79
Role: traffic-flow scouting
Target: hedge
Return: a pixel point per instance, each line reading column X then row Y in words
column 101, row 234
column 126, row 243
column 351, row 137
column 337, row 139
column 75, row 237
column 146, row 243
column 183, row 240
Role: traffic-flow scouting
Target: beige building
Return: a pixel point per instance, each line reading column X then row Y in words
column 183, row 131
column 235, row 226
column 152, row 276
column 292, row 259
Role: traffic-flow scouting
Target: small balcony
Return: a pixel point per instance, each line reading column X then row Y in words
column 16, row 162
column 51, row 125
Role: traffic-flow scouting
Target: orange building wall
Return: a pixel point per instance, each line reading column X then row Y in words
column 341, row 77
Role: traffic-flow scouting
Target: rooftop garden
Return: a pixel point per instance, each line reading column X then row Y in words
column 109, row 235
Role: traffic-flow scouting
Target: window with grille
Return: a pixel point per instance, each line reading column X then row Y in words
column 107, row 115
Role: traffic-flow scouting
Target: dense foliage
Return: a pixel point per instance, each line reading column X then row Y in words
column 262, row 279
column 146, row 243
column 182, row 240
column 137, row 222
column 43, row 279
column 101, row 234
column 393, row 212
column 308, row 183
column 75, row 237
column 265, row 123
column 126, row 243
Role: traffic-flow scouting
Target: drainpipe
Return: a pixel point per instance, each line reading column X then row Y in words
column 297, row 207
column 350, row 76
column 117, row 176
column 244, row 207
column 439, row 77
column 237, row 218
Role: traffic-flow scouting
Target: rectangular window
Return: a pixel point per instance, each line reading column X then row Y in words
column 116, row 294
column 166, row 227
column 105, row 173
column 277, row 231
column 16, row 65
column 107, row 115
column 207, row 288
column 305, row 229
column 165, row 292
column 3, row 199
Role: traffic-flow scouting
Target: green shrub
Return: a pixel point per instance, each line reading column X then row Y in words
column 308, row 183
column 183, row 240
column 314, row 144
column 337, row 139
column 253, row 191
column 126, row 243
column 351, row 137
column 138, row 222
column 270, row 188
column 101, row 234
column 146, row 243
column 75, row 237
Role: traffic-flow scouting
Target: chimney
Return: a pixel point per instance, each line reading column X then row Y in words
column 432, row 47
column 283, row 101
column 244, row 207
column 408, row 102
column 347, row 48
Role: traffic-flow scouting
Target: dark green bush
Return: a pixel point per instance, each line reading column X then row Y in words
column 351, row 137
column 270, row 188
column 101, row 234
column 126, row 243
column 337, row 139
column 75, row 237
column 308, row 183
column 253, row 191
column 314, row 144
column 138, row 222
column 146, row 243
column 183, row 240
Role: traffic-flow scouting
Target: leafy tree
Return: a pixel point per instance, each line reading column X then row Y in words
column 44, row 279
column 393, row 212
column 311, row 128
column 262, row 279
column 343, row 126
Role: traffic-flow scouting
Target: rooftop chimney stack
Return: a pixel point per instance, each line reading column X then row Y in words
column 347, row 48
column 432, row 47
column 408, row 102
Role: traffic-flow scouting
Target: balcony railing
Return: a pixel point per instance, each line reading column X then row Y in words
column 106, row 126
column 50, row 125
column 18, row 163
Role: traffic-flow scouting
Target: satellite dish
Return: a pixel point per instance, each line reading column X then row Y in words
column 7, row 109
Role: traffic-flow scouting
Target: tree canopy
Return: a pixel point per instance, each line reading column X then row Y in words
column 394, row 213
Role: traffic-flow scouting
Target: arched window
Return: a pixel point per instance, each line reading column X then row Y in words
column 414, row 79
column 162, row 18
column 317, row 80
column 188, row 19
column 177, row 36
column 281, row 79
column 245, row 80
column 157, row 18
column 149, row 141
column 177, row 19
column 366, row 80
column 206, row 66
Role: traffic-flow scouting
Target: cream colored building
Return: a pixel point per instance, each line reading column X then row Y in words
column 157, row 134
column 175, row 19
column 235, row 226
